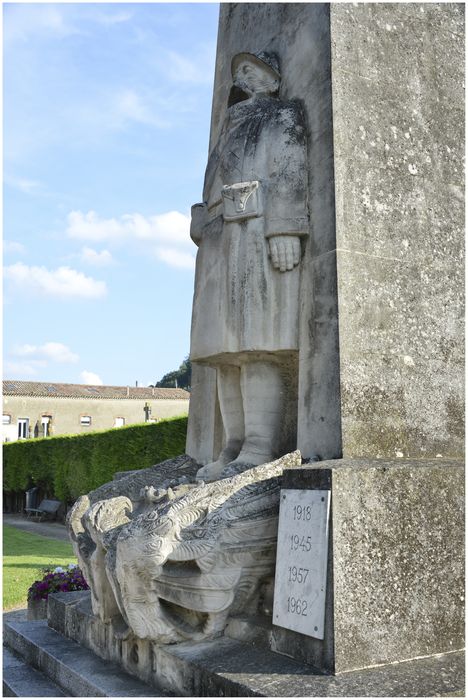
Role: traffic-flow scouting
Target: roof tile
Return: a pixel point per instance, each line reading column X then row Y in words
column 12, row 387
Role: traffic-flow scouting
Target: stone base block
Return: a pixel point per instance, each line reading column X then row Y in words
column 395, row 580
column 48, row 664
column 37, row 609
column 228, row 667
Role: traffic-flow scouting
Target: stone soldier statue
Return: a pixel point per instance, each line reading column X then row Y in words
column 174, row 557
column 249, row 230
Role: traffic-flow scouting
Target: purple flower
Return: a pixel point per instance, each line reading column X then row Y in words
column 57, row 580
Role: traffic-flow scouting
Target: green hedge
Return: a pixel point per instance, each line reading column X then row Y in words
column 71, row 465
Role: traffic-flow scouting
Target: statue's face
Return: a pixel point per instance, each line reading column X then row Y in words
column 254, row 80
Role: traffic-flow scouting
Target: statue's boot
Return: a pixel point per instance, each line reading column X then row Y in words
column 230, row 403
column 262, row 394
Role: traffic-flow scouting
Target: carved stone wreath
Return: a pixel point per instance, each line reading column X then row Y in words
column 173, row 557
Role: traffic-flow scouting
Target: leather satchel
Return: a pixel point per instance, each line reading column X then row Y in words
column 241, row 201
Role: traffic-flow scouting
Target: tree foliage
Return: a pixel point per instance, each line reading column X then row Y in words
column 68, row 466
column 181, row 377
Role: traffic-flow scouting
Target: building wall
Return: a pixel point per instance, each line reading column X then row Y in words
column 66, row 412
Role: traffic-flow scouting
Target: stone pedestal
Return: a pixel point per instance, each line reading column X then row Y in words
column 223, row 667
column 380, row 380
column 395, row 584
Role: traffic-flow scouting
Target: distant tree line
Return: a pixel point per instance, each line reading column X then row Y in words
column 180, row 378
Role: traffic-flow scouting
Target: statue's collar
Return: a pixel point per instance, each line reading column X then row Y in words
column 250, row 106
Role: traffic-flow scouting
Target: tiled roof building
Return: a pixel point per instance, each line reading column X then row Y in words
column 41, row 409
column 73, row 391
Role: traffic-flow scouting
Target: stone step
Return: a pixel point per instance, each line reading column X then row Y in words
column 222, row 667
column 21, row 680
column 254, row 628
column 78, row 671
column 244, row 666
column 230, row 668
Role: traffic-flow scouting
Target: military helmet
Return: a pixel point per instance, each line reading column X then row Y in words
column 262, row 58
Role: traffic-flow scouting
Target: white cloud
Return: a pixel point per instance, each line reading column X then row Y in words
column 117, row 108
column 26, row 360
column 172, row 227
column 17, row 370
column 170, row 232
column 101, row 17
column 23, row 185
column 91, row 378
column 26, row 22
column 62, row 283
column 55, row 352
column 130, row 106
column 14, row 247
column 175, row 258
column 90, row 227
column 196, row 70
column 21, row 21
column 96, row 258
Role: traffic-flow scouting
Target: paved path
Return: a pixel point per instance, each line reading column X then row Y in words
column 56, row 531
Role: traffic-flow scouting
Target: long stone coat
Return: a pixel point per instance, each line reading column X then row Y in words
column 241, row 303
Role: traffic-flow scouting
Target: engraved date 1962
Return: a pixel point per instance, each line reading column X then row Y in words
column 297, row 606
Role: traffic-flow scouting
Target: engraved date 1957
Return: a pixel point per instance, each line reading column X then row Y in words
column 297, row 574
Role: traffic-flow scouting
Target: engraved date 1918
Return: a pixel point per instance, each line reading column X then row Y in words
column 302, row 512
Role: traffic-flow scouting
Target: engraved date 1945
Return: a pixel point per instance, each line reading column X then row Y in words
column 303, row 543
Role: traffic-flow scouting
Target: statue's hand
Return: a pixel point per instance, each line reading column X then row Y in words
column 199, row 219
column 285, row 252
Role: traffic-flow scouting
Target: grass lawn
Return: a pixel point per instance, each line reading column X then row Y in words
column 24, row 555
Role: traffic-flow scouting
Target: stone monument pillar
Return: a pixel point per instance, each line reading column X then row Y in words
column 380, row 350
column 381, row 317
column 325, row 426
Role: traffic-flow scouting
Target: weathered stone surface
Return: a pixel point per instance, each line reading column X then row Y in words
column 96, row 519
column 205, row 428
column 398, row 116
column 250, row 230
column 395, row 586
column 64, row 663
column 172, row 562
column 299, row 34
column 21, row 680
column 381, row 319
column 37, row 609
column 229, row 668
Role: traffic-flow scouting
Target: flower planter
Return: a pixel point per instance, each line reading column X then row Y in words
column 37, row 609
column 58, row 580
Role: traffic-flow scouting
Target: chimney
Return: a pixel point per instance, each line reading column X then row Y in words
column 128, row 392
column 136, row 384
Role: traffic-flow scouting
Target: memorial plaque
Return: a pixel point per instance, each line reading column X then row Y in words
column 301, row 561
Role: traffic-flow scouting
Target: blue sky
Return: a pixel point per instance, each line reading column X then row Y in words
column 106, row 122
